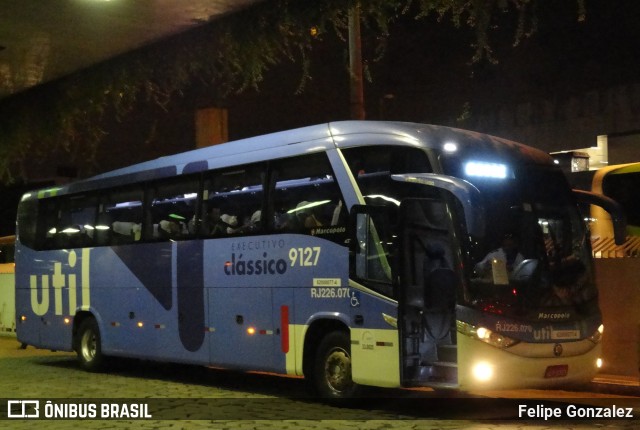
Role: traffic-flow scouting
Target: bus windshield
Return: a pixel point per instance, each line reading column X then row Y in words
column 534, row 253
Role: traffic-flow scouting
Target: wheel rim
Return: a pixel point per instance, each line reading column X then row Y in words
column 88, row 345
column 337, row 370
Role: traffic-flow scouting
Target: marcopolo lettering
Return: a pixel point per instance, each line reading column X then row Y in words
column 264, row 266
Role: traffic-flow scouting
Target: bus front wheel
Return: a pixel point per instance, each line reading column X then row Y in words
column 89, row 347
column 332, row 369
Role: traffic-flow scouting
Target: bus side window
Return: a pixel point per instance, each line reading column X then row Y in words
column 78, row 217
column 172, row 209
column 29, row 223
column 48, row 223
column 232, row 202
column 69, row 222
column 121, row 213
column 307, row 198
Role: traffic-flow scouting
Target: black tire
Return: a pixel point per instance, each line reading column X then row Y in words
column 89, row 346
column 332, row 367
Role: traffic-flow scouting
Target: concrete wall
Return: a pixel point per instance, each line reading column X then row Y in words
column 619, row 286
column 575, row 122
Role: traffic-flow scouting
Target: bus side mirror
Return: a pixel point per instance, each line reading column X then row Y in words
column 465, row 192
column 614, row 209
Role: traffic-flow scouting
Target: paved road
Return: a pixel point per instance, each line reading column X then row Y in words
column 189, row 397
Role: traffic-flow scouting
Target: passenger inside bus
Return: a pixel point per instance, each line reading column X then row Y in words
column 508, row 254
column 251, row 224
column 305, row 215
column 213, row 224
column 169, row 229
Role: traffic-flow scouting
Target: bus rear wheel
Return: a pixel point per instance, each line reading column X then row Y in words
column 332, row 370
column 89, row 346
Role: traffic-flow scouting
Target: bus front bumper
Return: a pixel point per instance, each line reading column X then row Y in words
column 482, row 366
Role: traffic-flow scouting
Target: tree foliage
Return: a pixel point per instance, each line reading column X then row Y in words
column 228, row 55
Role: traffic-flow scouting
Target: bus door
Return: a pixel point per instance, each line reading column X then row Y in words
column 430, row 273
column 375, row 346
column 406, row 253
column 427, row 292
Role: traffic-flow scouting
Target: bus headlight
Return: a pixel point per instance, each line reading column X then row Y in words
column 485, row 335
column 482, row 371
column 597, row 336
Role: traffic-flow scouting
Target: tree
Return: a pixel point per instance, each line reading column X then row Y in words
column 228, row 55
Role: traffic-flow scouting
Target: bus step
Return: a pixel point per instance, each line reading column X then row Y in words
column 447, row 364
column 444, row 371
column 439, row 372
column 444, row 385
column 448, row 353
column 412, row 358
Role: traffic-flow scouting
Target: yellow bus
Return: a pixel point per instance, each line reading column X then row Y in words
column 621, row 182
column 7, row 285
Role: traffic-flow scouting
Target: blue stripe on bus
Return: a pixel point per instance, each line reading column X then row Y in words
column 191, row 312
column 151, row 264
column 195, row 167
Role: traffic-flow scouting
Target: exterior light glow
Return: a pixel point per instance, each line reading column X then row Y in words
column 450, row 147
column 308, row 206
column 483, row 333
column 485, row 170
column 596, row 337
column 483, row 371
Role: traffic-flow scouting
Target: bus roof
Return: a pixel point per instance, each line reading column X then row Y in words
column 616, row 169
column 282, row 144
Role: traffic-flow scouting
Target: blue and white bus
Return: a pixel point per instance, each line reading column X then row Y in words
column 352, row 253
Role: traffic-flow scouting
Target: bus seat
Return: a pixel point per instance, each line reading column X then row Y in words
column 439, row 303
column 435, row 213
column 439, row 292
